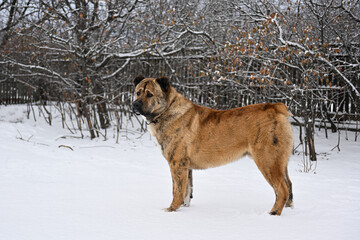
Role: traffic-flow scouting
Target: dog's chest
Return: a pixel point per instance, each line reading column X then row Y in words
column 152, row 130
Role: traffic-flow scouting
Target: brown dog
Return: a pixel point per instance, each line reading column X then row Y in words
column 196, row 137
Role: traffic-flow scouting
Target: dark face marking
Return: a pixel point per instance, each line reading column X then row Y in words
column 145, row 86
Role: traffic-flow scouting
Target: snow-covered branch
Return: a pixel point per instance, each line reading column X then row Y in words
column 117, row 70
column 67, row 81
column 314, row 54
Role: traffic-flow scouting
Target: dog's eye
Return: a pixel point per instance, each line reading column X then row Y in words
column 149, row 95
column 138, row 93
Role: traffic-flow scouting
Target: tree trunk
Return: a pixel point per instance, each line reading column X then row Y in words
column 101, row 107
column 309, row 126
column 309, row 121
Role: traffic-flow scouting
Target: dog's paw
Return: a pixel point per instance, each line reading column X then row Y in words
column 186, row 204
column 170, row 209
column 187, row 200
column 289, row 204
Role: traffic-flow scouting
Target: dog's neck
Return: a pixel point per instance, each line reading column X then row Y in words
column 176, row 104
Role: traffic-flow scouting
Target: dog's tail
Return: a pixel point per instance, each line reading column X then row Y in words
column 281, row 108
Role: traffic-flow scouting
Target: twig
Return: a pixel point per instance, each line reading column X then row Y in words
column 64, row 146
column 64, row 137
column 21, row 137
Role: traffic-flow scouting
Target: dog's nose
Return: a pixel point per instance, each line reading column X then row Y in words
column 137, row 105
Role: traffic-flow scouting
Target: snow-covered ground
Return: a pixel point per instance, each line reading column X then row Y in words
column 102, row 190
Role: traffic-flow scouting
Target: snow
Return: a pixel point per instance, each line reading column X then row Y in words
column 96, row 189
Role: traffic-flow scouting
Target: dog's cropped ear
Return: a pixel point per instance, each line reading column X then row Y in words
column 138, row 79
column 164, row 83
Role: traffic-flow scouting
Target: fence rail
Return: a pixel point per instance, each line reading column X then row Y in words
column 329, row 104
column 15, row 92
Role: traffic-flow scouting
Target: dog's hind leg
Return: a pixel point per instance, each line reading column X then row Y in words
column 274, row 173
column 281, row 192
column 289, row 202
column 189, row 190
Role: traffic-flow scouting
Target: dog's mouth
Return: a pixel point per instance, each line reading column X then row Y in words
column 149, row 116
column 137, row 112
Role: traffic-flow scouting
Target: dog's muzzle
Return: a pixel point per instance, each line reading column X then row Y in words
column 137, row 108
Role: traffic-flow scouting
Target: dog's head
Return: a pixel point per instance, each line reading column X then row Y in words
column 151, row 96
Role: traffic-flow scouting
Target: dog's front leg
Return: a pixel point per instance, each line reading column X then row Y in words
column 179, row 173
